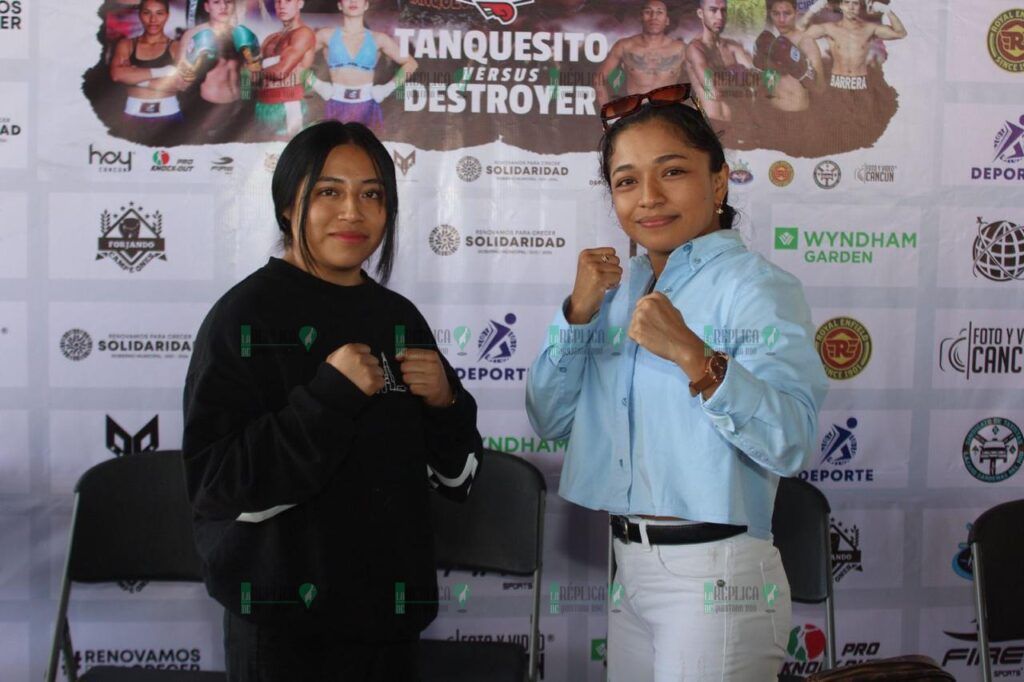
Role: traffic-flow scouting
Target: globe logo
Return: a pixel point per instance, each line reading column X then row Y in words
column 999, row 251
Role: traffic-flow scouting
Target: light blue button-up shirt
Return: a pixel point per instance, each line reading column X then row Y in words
column 639, row 443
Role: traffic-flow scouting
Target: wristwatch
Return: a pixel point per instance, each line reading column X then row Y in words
column 714, row 373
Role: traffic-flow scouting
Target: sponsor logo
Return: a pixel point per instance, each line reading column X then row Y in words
column 838, row 449
column 806, row 646
column 993, row 450
column 495, row 346
column 514, row 241
column 8, row 128
column 827, row 174
column 270, row 162
column 598, row 649
column 224, row 164
column 10, row 15
column 122, row 443
column 162, row 161
column 404, row 163
column 468, row 168
column 963, row 560
column 983, row 350
column 1009, row 149
column 844, row 346
column 870, row 172
column 739, row 173
column 131, row 238
column 842, row 246
column 504, row 13
column 110, row 162
column 1006, row 659
column 444, row 240
column 1006, row 41
column 846, row 555
column 520, row 638
column 138, row 657
column 524, row 444
column 76, row 344
column 781, row 173
column 527, row 170
column 998, row 251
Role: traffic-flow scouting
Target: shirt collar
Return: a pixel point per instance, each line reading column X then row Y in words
column 695, row 253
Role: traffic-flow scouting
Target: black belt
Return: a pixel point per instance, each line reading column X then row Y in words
column 627, row 531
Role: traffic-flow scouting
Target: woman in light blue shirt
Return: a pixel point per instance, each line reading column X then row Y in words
column 686, row 391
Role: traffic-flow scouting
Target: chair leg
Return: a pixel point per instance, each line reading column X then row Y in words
column 981, row 613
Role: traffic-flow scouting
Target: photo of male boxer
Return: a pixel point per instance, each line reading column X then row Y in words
column 857, row 93
column 792, row 78
column 288, row 55
column 723, row 74
column 647, row 60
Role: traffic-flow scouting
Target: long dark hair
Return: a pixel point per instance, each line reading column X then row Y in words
column 303, row 159
column 689, row 122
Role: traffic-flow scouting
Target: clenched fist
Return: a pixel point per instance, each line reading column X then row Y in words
column 424, row 374
column 359, row 365
column 658, row 326
column 597, row 271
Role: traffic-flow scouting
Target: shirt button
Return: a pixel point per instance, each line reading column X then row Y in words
column 563, row 370
column 620, row 464
column 623, row 402
column 696, row 261
column 687, row 248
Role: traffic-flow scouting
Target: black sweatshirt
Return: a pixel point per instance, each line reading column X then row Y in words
column 268, row 423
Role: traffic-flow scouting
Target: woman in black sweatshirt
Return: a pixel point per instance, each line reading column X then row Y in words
column 317, row 413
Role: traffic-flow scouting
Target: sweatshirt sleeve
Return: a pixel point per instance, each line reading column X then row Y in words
column 454, row 446
column 243, row 462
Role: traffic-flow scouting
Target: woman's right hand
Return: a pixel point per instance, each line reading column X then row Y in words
column 359, row 365
column 597, row 271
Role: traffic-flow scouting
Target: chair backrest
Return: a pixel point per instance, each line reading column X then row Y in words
column 998, row 534
column 800, row 525
column 500, row 526
column 133, row 522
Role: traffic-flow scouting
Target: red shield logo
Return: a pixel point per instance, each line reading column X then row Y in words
column 503, row 12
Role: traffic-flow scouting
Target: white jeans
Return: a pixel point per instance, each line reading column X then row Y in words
column 698, row 612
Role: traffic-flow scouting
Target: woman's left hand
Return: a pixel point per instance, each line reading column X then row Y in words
column 658, row 326
column 423, row 373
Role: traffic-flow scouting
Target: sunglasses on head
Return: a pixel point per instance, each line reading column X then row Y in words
column 618, row 109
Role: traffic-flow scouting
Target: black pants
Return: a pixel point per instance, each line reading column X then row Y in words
column 260, row 654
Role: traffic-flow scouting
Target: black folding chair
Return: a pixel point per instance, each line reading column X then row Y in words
column 997, row 548
column 131, row 521
column 800, row 524
column 500, row 527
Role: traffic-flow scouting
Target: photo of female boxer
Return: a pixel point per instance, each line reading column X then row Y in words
column 312, row 437
column 681, row 435
column 145, row 64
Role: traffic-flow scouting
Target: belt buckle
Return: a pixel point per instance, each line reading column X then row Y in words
column 624, row 523
column 352, row 93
